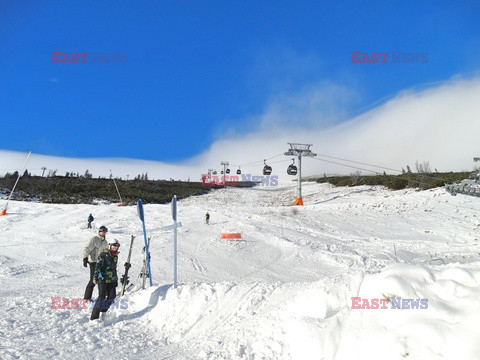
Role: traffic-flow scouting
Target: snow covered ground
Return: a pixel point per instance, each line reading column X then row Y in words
column 283, row 292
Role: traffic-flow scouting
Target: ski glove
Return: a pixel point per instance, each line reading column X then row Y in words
column 85, row 262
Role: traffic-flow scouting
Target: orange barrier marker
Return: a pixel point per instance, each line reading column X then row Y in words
column 4, row 212
column 230, row 235
column 298, row 201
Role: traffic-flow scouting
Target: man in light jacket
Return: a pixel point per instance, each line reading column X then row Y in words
column 91, row 252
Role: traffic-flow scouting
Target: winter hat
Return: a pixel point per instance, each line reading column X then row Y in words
column 113, row 247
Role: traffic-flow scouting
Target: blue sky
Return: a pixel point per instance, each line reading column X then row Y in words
column 195, row 71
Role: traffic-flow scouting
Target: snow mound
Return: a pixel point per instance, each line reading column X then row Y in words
column 427, row 314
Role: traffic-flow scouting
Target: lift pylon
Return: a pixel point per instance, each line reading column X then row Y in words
column 299, row 150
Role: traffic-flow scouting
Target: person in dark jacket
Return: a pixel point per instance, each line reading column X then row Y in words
column 207, row 218
column 106, row 278
column 93, row 248
column 90, row 219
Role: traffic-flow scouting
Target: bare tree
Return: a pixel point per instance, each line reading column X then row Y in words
column 423, row 167
column 354, row 176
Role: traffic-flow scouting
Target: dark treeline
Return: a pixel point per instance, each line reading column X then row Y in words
column 83, row 189
column 423, row 181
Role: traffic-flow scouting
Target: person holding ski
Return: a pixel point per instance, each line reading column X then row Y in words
column 93, row 248
column 90, row 219
column 106, row 278
column 207, row 218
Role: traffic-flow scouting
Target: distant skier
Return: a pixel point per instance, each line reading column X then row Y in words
column 93, row 248
column 90, row 219
column 106, row 278
column 207, row 218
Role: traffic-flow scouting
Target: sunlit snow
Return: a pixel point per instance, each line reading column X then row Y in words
column 284, row 291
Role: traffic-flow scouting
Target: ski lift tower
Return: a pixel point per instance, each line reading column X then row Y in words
column 299, row 150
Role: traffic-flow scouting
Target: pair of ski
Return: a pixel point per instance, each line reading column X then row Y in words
column 144, row 274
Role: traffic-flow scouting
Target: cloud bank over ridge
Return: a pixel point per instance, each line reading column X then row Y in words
column 439, row 124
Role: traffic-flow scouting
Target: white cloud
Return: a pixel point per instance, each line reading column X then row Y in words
column 439, row 125
column 315, row 106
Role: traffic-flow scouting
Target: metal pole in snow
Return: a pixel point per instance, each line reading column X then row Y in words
column 174, row 216
column 116, row 187
column 4, row 212
column 147, row 251
column 299, row 177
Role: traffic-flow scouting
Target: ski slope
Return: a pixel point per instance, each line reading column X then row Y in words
column 282, row 292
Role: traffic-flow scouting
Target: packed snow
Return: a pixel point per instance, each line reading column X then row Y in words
column 322, row 281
